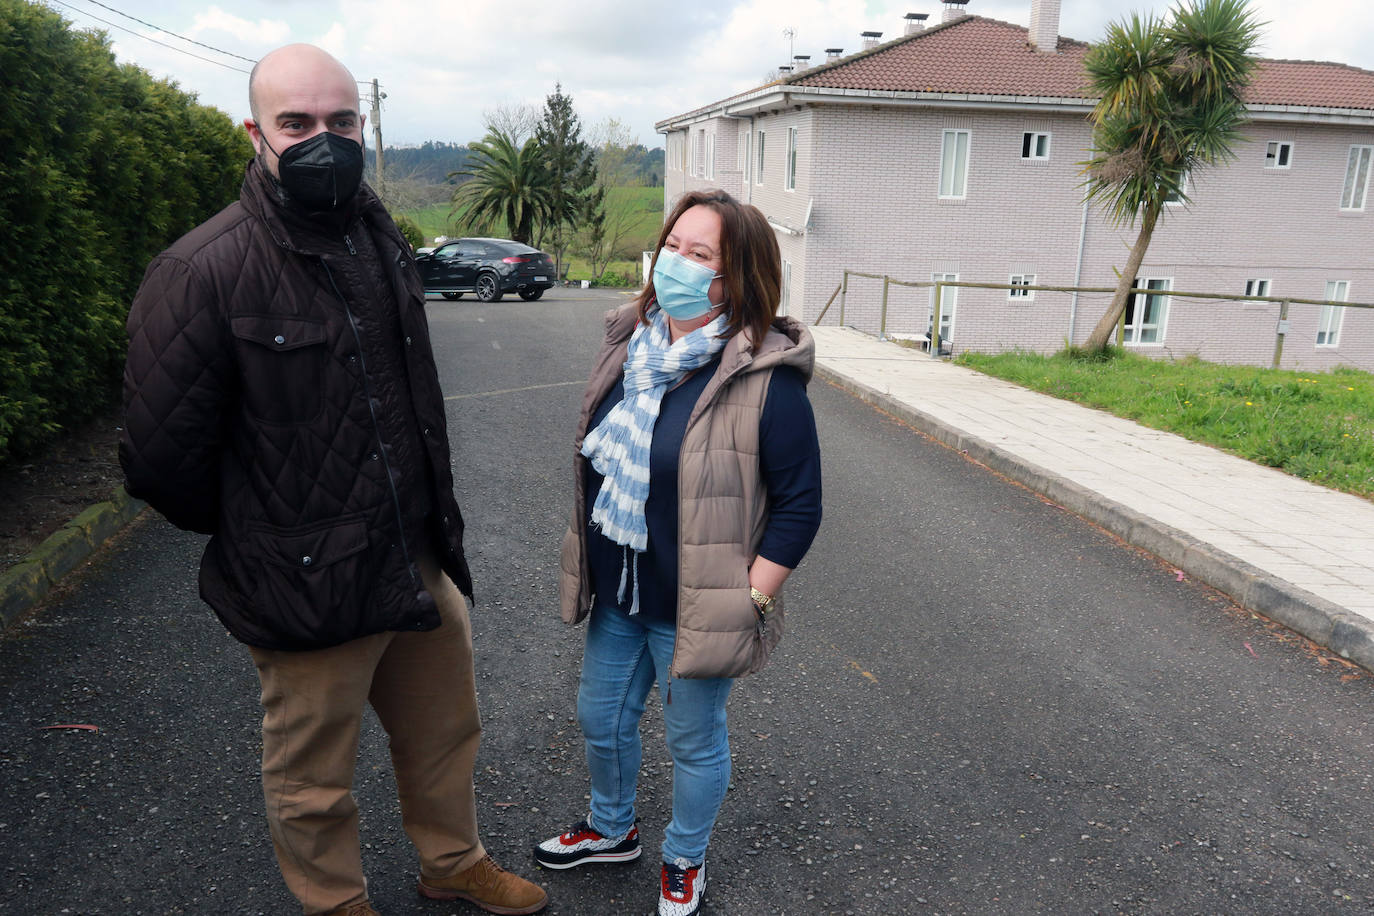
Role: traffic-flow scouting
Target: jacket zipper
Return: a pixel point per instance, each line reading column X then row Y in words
column 692, row 420
column 372, row 412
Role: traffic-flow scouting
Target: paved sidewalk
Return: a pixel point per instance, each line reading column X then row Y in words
column 1293, row 551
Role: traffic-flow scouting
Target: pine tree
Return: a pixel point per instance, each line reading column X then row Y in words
column 571, row 173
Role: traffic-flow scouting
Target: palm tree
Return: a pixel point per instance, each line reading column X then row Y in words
column 509, row 187
column 1170, row 101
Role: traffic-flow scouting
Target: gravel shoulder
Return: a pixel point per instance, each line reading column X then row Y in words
column 42, row 493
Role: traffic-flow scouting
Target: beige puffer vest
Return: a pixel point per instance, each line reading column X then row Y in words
column 723, row 507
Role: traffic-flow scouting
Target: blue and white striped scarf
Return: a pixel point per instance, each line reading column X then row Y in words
column 619, row 446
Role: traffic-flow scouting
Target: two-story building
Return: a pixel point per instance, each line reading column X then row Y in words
column 956, row 151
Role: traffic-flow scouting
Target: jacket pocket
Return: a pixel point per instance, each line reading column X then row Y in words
column 311, row 584
column 282, row 362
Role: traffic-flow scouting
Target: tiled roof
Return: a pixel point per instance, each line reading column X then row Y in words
column 1307, row 82
column 978, row 56
column 969, row 55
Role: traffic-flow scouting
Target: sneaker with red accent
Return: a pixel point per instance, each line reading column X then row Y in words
column 682, row 886
column 581, row 843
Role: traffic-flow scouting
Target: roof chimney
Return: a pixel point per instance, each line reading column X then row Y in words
column 784, row 70
column 833, row 54
column 800, row 62
column 871, row 39
column 954, row 9
column 915, row 22
column 1044, row 25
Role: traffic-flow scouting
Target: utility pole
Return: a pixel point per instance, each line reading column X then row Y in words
column 376, row 116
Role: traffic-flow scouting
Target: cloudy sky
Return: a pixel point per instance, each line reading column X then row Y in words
column 443, row 64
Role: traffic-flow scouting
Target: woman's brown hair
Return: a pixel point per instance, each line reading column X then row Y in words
column 750, row 263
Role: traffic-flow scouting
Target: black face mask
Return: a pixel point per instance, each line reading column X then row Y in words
column 322, row 173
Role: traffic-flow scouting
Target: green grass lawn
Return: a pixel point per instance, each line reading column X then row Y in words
column 435, row 221
column 1315, row 425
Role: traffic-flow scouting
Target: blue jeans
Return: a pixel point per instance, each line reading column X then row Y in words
column 624, row 656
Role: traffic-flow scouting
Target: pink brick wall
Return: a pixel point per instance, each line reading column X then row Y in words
column 875, row 176
column 874, row 173
column 726, row 175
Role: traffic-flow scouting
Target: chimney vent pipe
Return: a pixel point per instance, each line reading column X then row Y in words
column 915, row 22
column 1044, row 26
column 954, row 9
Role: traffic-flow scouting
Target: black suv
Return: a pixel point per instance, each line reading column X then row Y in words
column 489, row 268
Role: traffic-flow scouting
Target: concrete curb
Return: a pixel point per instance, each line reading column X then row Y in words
column 1325, row 623
column 25, row 584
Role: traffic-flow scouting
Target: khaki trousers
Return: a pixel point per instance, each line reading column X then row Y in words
column 422, row 688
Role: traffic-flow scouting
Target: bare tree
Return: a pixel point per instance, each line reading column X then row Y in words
column 412, row 191
column 516, row 121
column 610, row 234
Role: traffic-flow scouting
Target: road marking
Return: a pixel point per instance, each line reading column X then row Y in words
column 487, row 394
column 855, row 665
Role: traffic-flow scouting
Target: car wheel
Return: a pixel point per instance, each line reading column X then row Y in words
column 487, row 290
column 451, row 296
column 529, row 295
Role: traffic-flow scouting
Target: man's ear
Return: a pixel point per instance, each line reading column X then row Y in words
column 254, row 133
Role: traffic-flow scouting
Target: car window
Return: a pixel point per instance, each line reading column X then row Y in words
column 448, row 251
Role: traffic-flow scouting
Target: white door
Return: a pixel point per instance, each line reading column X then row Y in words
column 949, row 299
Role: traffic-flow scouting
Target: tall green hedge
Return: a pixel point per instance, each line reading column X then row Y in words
column 101, row 167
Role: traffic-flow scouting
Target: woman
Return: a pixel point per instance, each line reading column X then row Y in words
column 697, row 491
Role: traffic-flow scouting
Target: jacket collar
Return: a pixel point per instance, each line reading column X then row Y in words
column 294, row 230
column 788, row 343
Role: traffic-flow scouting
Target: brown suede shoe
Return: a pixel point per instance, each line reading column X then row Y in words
column 355, row 909
column 489, row 886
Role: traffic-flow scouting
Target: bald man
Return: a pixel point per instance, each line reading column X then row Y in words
column 281, row 396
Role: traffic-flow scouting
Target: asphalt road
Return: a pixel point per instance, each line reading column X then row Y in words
column 983, row 704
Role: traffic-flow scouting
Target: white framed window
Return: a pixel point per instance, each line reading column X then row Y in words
column 1175, row 198
column 949, row 301
column 694, row 165
column 1278, row 154
column 1329, row 322
column 954, row 164
column 1356, row 178
column 711, row 155
column 785, row 306
column 1035, row 145
column 791, row 184
column 742, row 155
column 758, row 164
column 682, row 151
column 1256, row 287
column 1022, row 280
column 1147, row 313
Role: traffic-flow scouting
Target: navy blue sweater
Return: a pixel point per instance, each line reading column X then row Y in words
column 789, row 460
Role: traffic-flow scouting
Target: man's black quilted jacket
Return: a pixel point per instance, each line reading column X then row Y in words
column 256, row 411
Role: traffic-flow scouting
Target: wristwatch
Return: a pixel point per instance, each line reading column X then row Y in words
column 761, row 601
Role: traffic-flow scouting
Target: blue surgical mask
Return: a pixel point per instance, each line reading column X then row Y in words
column 682, row 287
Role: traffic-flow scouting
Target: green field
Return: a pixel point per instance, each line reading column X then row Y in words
column 1314, row 425
column 435, row 221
